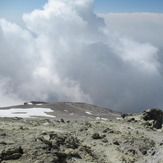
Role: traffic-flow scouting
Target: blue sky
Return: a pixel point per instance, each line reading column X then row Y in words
column 12, row 10
column 17, row 7
column 129, row 6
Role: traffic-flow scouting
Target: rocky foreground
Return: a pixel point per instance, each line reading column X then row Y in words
column 132, row 138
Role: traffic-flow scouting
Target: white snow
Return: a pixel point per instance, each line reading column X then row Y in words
column 87, row 112
column 71, row 113
column 39, row 104
column 118, row 118
column 104, row 119
column 66, row 110
column 29, row 103
column 26, row 113
column 98, row 118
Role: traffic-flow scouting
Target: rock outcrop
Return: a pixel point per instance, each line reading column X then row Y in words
column 153, row 118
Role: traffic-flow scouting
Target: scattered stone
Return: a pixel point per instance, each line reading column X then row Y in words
column 88, row 158
column 72, row 142
column 72, row 153
column 104, row 140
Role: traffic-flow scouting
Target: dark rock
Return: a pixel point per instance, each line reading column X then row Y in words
column 62, row 120
column 143, row 150
column 124, row 115
column 96, row 136
column 108, row 130
column 3, row 134
column 131, row 120
column 12, row 153
column 153, row 153
column 3, row 143
column 156, row 115
column 116, row 143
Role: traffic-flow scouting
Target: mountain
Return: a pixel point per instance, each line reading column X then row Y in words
column 64, row 110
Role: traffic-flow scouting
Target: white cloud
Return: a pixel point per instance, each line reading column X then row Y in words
column 66, row 53
column 144, row 27
column 7, row 97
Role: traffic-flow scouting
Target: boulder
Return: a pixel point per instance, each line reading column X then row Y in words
column 153, row 117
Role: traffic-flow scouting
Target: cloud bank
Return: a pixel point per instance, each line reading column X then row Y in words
column 144, row 27
column 67, row 53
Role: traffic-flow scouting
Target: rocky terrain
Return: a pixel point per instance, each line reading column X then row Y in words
column 82, row 137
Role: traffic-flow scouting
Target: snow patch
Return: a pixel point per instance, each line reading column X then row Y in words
column 87, row 112
column 104, row 119
column 26, row 113
column 28, row 103
column 39, row 104
column 118, row 118
column 99, row 118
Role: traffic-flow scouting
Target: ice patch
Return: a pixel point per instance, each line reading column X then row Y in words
column 26, row 113
column 87, row 112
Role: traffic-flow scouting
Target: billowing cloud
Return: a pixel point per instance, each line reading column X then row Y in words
column 67, row 53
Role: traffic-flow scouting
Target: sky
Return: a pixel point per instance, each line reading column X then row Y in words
column 14, row 9
column 108, row 53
